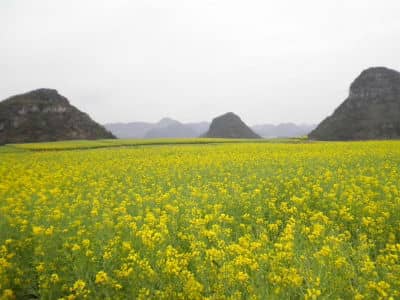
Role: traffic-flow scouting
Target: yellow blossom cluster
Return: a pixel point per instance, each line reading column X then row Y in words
column 216, row 221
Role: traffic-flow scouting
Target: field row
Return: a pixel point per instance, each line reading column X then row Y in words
column 95, row 144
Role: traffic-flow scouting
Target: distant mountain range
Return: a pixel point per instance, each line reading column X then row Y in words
column 165, row 128
column 283, row 130
column 371, row 111
column 170, row 128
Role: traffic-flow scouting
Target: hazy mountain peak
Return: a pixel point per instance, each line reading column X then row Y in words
column 230, row 125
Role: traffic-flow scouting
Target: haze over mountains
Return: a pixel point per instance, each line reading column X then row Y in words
column 168, row 127
column 283, row 130
column 371, row 111
column 164, row 128
column 45, row 115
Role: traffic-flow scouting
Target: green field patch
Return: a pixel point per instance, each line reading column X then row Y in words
column 92, row 144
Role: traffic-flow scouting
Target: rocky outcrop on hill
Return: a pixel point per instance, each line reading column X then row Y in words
column 371, row 111
column 45, row 115
column 230, row 125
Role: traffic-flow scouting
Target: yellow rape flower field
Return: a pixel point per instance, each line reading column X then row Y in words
column 212, row 221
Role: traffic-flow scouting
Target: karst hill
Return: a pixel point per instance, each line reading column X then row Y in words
column 45, row 115
column 230, row 125
column 371, row 111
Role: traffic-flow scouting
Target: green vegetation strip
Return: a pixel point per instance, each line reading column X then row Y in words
column 86, row 144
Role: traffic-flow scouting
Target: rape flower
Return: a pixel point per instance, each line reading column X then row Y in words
column 101, row 278
column 242, row 276
column 312, row 294
column 75, row 247
column 40, row 267
column 8, row 294
column 79, row 285
column 54, row 278
column 37, row 230
column 86, row 243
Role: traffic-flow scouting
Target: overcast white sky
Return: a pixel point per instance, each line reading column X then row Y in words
column 268, row 61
